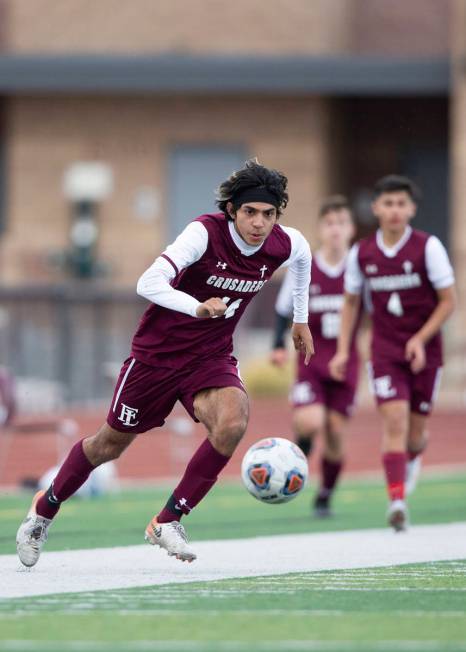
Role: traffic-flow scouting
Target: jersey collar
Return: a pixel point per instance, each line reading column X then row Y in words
column 333, row 271
column 244, row 247
column 391, row 252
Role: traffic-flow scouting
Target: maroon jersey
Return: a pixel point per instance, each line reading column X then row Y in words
column 173, row 339
column 402, row 296
column 325, row 304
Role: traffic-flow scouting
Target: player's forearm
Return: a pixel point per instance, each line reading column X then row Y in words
column 349, row 315
column 442, row 312
column 154, row 285
column 281, row 326
column 300, row 273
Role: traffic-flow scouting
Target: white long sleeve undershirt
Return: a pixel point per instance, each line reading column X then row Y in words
column 189, row 247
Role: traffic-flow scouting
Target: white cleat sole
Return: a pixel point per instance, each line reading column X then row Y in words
column 398, row 516
column 182, row 556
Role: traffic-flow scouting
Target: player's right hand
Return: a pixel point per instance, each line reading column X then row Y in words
column 337, row 366
column 278, row 357
column 415, row 354
column 211, row 308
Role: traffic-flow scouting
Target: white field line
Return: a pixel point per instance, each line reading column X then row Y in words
column 75, row 571
column 239, row 613
column 231, row 646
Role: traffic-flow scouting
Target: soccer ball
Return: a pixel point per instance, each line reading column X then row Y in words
column 274, row 470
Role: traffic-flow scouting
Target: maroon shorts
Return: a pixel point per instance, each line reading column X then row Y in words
column 144, row 395
column 394, row 381
column 314, row 385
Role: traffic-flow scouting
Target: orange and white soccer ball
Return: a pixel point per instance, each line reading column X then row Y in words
column 274, row 470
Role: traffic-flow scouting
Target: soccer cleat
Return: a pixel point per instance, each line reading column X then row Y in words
column 413, row 469
column 171, row 537
column 322, row 506
column 398, row 515
column 32, row 534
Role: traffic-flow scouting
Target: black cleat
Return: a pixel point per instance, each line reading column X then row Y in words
column 322, row 506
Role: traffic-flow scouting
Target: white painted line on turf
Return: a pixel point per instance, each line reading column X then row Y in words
column 75, row 571
column 392, row 645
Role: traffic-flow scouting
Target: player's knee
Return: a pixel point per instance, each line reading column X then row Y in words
column 103, row 448
column 228, row 434
column 306, row 431
column 417, row 440
column 112, row 451
column 396, row 427
column 234, row 429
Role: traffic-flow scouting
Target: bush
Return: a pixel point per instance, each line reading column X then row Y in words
column 263, row 379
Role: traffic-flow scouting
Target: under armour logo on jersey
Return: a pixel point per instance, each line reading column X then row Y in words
column 221, row 265
column 407, row 267
column 371, row 269
column 262, row 270
column 128, row 414
column 314, row 288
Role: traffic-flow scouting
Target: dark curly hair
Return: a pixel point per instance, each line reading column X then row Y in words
column 253, row 175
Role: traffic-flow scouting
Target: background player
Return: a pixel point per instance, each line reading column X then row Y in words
column 199, row 288
column 411, row 285
column 321, row 405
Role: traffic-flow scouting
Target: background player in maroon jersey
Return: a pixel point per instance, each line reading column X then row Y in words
column 412, row 293
column 198, row 288
column 322, row 405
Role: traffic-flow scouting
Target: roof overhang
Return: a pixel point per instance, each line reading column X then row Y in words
column 340, row 76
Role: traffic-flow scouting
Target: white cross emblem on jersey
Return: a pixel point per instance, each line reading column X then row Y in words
column 221, row 265
column 262, row 270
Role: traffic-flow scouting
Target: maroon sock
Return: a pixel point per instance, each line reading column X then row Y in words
column 72, row 474
column 395, row 473
column 200, row 476
column 330, row 472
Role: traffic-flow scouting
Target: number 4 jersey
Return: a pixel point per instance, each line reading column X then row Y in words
column 209, row 259
column 402, row 282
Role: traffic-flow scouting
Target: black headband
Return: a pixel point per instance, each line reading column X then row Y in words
column 256, row 194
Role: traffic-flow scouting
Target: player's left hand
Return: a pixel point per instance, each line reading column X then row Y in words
column 302, row 340
column 415, row 353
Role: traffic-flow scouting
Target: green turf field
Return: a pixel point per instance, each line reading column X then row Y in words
column 412, row 608
column 229, row 512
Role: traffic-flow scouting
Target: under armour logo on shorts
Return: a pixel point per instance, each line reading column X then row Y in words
column 127, row 415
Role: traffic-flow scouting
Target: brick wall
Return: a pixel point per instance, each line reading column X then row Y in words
column 417, row 27
column 200, row 26
column 400, row 27
column 134, row 137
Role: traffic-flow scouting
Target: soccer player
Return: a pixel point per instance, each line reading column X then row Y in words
column 411, row 286
column 182, row 350
column 322, row 405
